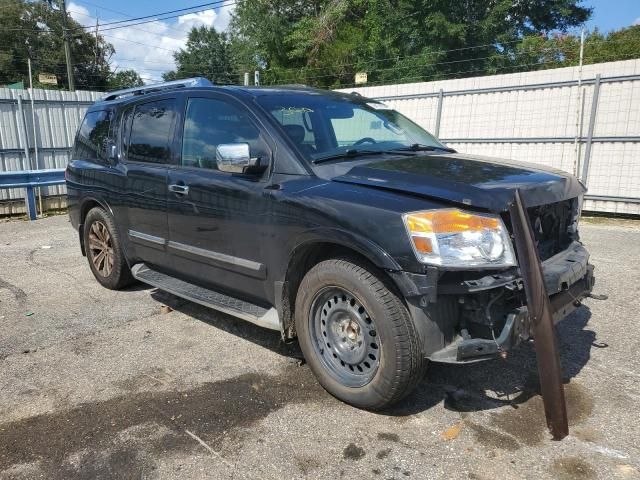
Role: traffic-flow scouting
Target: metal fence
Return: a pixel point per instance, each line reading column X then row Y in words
column 37, row 135
column 584, row 122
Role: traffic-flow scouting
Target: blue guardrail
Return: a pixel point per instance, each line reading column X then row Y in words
column 29, row 179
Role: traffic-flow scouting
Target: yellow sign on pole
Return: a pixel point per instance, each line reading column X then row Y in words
column 48, row 78
column 361, row 77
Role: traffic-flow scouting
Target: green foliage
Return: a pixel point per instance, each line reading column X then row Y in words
column 538, row 52
column 124, row 79
column 325, row 42
column 207, row 54
column 34, row 30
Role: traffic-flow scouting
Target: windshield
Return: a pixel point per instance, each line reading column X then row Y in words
column 327, row 126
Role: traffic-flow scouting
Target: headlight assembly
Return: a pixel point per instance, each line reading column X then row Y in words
column 455, row 238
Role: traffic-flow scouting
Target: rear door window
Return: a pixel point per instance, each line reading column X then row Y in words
column 151, row 130
column 92, row 137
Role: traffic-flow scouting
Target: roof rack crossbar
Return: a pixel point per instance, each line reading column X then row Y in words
column 157, row 87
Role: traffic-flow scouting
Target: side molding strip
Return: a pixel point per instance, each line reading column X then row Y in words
column 241, row 265
column 145, row 238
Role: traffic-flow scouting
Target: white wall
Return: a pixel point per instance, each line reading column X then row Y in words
column 543, row 112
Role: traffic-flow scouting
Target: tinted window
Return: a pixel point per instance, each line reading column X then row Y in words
column 365, row 124
column 150, row 136
column 210, row 122
column 297, row 123
column 326, row 125
column 92, row 136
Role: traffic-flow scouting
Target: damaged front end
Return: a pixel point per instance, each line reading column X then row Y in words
column 492, row 310
column 490, row 313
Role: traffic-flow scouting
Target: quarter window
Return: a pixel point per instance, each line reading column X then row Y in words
column 210, row 122
column 92, row 136
column 151, row 129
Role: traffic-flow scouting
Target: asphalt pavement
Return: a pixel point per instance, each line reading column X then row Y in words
column 102, row 384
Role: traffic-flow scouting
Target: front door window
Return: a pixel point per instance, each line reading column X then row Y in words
column 210, row 122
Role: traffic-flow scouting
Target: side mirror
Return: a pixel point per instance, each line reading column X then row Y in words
column 236, row 158
column 112, row 152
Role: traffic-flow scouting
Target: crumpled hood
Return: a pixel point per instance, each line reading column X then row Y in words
column 482, row 182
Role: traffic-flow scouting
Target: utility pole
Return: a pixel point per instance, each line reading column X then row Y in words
column 97, row 47
column 67, row 46
column 579, row 110
column 35, row 133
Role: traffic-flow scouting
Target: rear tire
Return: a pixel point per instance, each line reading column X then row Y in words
column 104, row 250
column 357, row 335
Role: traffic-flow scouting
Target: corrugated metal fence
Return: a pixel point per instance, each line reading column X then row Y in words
column 589, row 127
column 57, row 116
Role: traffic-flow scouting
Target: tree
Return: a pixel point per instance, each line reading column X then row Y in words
column 207, row 54
column 34, row 30
column 537, row 52
column 324, row 42
column 124, row 79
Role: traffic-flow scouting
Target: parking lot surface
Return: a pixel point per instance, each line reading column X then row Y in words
column 102, row 384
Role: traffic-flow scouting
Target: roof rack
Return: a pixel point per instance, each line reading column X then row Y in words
column 157, row 87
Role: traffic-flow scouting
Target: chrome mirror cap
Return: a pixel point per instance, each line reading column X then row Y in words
column 233, row 157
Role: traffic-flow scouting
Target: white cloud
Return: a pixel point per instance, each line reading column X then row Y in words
column 218, row 19
column 148, row 48
column 636, row 21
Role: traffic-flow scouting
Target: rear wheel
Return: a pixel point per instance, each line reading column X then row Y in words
column 104, row 250
column 357, row 335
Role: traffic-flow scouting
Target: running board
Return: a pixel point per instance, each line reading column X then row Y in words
column 264, row 317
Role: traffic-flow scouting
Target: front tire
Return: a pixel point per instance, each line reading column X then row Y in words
column 104, row 250
column 357, row 335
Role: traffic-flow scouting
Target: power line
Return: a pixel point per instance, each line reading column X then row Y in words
column 161, row 19
column 219, row 3
column 139, row 43
column 133, row 28
column 209, row 4
column 301, row 72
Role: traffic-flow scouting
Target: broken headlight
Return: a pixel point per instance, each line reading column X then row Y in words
column 455, row 238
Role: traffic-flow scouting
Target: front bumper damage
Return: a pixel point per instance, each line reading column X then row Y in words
column 568, row 277
column 517, row 327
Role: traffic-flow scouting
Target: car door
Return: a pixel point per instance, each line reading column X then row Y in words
column 147, row 133
column 218, row 220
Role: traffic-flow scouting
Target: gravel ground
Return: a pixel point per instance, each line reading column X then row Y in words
column 102, row 384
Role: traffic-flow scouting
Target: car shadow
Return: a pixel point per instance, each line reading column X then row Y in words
column 498, row 382
column 262, row 337
column 464, row 388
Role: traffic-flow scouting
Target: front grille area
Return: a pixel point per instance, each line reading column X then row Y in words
column 553, row 226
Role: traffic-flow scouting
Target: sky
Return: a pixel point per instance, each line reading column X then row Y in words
column 613, row 14
column 148, row 48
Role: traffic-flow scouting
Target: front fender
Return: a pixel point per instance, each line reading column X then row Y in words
column 365, row 247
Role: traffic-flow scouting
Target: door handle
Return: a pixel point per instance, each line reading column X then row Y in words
column 179, row 189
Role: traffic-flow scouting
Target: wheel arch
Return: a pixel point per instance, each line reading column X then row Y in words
column 314, row 248
column 87, row 204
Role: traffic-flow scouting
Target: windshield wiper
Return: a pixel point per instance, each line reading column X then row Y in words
column 419, row 147
column 353, row 153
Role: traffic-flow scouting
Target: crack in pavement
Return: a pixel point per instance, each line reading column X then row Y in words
column 17, row 292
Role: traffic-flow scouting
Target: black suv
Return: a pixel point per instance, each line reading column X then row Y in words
column 325, row 216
